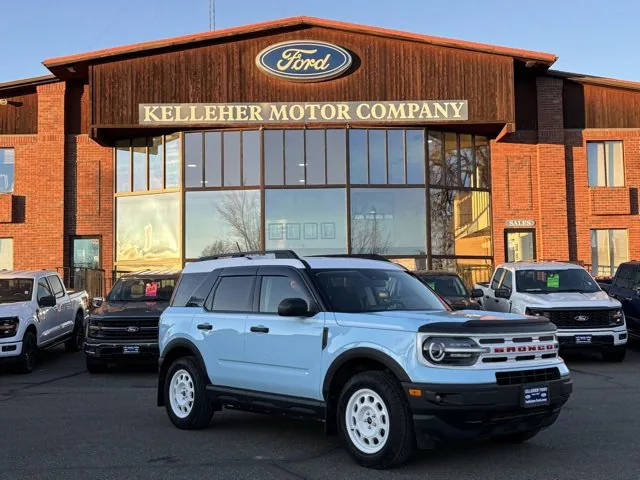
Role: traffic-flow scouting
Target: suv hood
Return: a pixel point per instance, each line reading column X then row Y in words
column 411, row 321
column 129, row 309
column 16, row 309
column 568, row 300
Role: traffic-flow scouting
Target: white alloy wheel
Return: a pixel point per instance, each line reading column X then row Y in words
column 181, row 393
column 367, row 421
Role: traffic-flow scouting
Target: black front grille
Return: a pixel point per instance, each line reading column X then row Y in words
column 580, row 318
column 124, row 329
column 521, row 377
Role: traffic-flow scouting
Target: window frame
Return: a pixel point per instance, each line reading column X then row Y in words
column 13, row 171
column 208, row 303
column 62, row 292
column 258, row 292
column 605, row 159
column 610, row 264
column 46, row 282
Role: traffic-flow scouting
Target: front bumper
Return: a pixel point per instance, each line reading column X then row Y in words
column 116, row 350
column 445, row 412
column 608, row 337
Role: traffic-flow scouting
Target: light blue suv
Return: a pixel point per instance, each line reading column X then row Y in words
column 359, row 344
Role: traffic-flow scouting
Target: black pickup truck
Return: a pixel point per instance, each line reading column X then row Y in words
column 450, row 287
column 124, row 326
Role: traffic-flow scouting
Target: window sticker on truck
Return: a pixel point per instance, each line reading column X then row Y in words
column 553, row 280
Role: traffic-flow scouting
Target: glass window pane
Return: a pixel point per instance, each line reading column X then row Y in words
column 471, row 271
column 452, row 174
column 310, row 221
column 377, row 156
column 172, row 160
column 251, row 157
column 388, row 221
column 86, row 252
column 123, row 167
column 436, row 165
column 358, row 156
column 395, row 147
column 275, row 289
column 273, row 157
column 615, row 165
column 482, row 162
column 139, row 164
column 520, row 246
column 620, row 249
column 336, row 156
column 233, row 294
column 6, row 253
column 466, row 160
column 315, row 149
column 596, row 164
column 7, row 167
column 193, row 159
column 212, row 159
column 415, row 156
column 460, row 222
column 147, row 227
column 221, row 222
column 155, row 163
column 294, row 157
column 231, row 155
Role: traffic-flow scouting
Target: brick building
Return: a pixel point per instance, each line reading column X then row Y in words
column 437, row 153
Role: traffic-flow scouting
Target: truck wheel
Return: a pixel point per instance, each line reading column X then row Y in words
column 76, row 342
column 27, row 359
column 96, row 366
column 374, row 420
column 185, row 395
column 614, row 354
column 519, row 437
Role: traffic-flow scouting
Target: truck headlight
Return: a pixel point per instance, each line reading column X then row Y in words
column 535, row 313
column 93, row 328
column 451, row 351
column 617, row 317
column 8, row 327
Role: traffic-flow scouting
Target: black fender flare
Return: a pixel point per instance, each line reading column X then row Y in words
column 163, row 365
column 364, row 353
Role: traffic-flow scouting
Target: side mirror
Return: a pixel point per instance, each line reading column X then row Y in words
column 48, row 301
column 477, row 293
column 502, row 293
column 96, row 301
column 293, row 307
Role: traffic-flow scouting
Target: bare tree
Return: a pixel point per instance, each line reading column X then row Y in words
column 368, row 233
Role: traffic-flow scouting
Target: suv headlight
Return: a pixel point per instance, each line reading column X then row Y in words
column 8, row 327
column 451, row 351
column 617, row 317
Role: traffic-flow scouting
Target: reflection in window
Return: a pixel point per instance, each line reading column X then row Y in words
column 482, row 162
column 609, row 248
column 377, row 156
column 605, row 165
column 436, row 158
column 336, row 156
column 273, row 157
column 415, row 156
column 172, row 160
column 155, row 163
column 193, row 159
column 460, row 222
column 123, row 167
column 471, row 270
column 383, row 221
column 221, row 222
column 231, row 155
column 294, row 157
column 147, row 227
column 315, row 153
column 7, row 167
column 212, row 159
column 452, row 173
column 358, row 156
column 139, row 164
column 251, row 157
column 86, row 252
column 6, row 253
column 466, row 160
column 310, row 221
column 395, row 150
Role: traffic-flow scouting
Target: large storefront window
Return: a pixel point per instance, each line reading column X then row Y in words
column 148, row 164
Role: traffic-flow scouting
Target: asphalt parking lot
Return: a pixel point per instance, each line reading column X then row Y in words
column 62, row 422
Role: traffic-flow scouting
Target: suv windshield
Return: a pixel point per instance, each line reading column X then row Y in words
column 552, row 281
column 373, row 290
column 142, row 290
column 446, row 285
column 15, row 290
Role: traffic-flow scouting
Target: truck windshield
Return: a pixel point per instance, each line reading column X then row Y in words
column 553, row 281
column 15, row 290
column 373, row 290
column 142, row 290
column 446, row 285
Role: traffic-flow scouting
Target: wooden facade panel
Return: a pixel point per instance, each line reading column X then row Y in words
column 610, row 107
column 20, row 114
column 385, row 69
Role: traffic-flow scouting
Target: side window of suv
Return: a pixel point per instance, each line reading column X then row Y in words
column 496, row 278
column 43, row 289
column 56, row 286
column 233, row 294
column 274, row 289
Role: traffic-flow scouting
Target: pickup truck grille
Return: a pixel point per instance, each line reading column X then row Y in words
column 580, row 318
column 124, row 329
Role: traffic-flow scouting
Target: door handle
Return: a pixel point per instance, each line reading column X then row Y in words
column 205, row 326
column 259, row 329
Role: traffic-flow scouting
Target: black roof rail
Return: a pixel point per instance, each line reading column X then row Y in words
column 275, row 253
column 366, row 256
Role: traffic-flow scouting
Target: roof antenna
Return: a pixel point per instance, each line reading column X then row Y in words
column 212, row 14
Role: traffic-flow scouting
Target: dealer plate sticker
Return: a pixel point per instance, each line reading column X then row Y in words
column 131, row 349
column 583, row 339
column 534, row 396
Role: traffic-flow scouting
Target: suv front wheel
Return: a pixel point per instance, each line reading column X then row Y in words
column 185, row 395
column 374, row 420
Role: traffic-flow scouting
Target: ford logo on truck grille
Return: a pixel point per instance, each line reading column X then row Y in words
column 581, row 318
column 133, row 329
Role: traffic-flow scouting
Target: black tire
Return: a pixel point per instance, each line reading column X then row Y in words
column 400, row 444
column 519, row 437
column 199, row 409
column 614, row 354
column 76, row 342
column 28, row 358
column 96, row 366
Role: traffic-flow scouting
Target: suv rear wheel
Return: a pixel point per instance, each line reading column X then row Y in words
column 185, row 395
column 374, row 420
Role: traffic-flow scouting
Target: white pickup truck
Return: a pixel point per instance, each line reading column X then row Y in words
column 586, row 317
column 36, row 312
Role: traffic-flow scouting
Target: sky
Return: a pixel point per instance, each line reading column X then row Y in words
column 590, row 37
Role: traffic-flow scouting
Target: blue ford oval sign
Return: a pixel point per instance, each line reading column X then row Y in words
column 304, row 60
